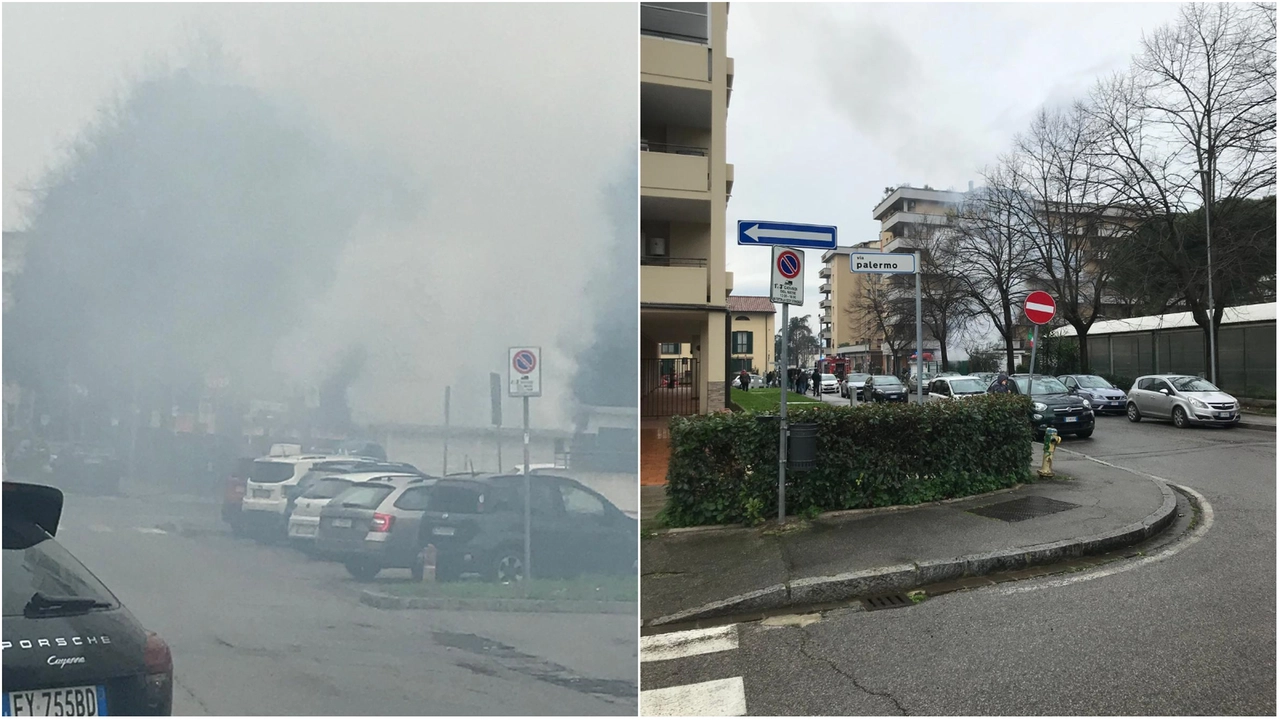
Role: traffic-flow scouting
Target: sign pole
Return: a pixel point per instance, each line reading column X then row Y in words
column 528, row 497
column 445, row 471
column 919, row 338
column 782, row 420
column 1035, row 344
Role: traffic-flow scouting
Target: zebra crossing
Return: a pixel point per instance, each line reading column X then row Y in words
column 717, row 697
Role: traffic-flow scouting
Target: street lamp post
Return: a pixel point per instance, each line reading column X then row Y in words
column 1207, row 177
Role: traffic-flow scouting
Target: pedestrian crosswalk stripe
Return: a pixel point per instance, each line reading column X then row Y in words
column 151, row 531
column 715, row 698
column 669, row 646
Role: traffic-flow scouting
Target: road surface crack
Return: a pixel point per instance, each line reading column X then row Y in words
column 804, row 650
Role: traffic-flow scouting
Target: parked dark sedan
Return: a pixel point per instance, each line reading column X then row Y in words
column 70, row 648
column 884, row 388
column 1053, row 406
column 1103, row 397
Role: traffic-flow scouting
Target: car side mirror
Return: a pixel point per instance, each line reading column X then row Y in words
column 1164, row 391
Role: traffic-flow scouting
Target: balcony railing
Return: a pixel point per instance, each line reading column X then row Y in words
column 673, row 262
column 825, row 272
column 824, row 287
column 662, row 20
column 672, row 148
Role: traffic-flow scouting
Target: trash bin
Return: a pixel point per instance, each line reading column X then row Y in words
column 802, row 446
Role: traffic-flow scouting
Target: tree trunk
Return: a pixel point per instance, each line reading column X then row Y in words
column 1082, row 340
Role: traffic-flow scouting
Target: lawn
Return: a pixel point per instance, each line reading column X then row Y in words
column 616, row 589
column 767, row 399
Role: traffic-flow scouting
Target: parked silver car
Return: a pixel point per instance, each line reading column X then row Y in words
column 1185, row 399
column 1101, row 395
column 852, row 384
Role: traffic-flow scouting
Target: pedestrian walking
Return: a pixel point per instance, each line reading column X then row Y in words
column 1002, row 384
column 744, row 380
column 817, row 383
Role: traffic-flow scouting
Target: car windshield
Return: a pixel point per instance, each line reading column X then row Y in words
column 968, row 385
column 1040, row 386
column 365, row 496
column 885, row 380
column 1093, row 382
column 828, row 377
column 267, row 471
column 1193, row 384
column 328, row 488
column 858, row 377
column 34, row 563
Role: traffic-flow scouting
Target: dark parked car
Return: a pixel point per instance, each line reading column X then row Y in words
column 1103, row 397
column 70, row 647
column 86, row 468
column 1053, row 406
column 884, row 388
column 476, row 525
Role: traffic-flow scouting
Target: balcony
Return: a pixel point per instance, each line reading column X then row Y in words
column 687, row 23
column 825, row 303
column 825, row 272
column 728, row 94
column 728, row 180
column 825, row 334
column 901, row 218
column 673, row 281
column 901, row 245
column 679, row 63
column 825, row 288
column 666, row 168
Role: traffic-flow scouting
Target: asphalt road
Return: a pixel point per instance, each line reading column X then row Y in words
column 1193, row 633
column 261, row 630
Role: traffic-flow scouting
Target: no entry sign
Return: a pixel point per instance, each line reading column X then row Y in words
column 1039, row 307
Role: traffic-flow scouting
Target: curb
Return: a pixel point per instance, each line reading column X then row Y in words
column 395, row 602
column 1255, row 425
column 900, row 578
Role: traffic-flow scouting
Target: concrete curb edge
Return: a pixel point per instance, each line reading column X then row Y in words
column 394, row 602
column 900, row 578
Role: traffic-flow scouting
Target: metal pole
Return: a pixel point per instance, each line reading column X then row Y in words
column 919, row 339
column 782, row 419
column 1035, row 343
column 1208, row 243
column 499, row 447
column 445, row 471
column 528, row 497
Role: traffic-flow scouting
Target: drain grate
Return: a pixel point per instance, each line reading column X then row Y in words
column 1032, row 506
column 886, row 602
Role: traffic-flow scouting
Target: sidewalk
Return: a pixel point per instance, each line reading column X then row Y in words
column 690, row 574
column 1256, row 421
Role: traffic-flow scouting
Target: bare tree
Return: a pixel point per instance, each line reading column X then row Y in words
column 1192, row 128
column 883, row 307
column 1071, row 226
column 946, row 306
column 990, row 257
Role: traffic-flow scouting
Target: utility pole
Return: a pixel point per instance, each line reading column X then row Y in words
column 1206, row 177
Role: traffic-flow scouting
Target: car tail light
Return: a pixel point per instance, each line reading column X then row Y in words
column 159, row 682
column 381, row 522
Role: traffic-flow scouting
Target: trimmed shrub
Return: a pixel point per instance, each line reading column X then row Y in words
column 724, row 468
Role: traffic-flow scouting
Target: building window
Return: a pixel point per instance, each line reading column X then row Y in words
column 669, row 349
column 741, row 342
column 742, row 318
column 676, row 20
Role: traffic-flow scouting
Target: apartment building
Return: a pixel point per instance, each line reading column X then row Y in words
column 685, row 82
column 844, row 330
column 751, row 337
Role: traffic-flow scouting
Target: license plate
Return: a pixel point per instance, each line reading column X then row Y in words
column 84, row 701
column 1071, row 419
column 304, row 530
column 342, row 522
column 262, row 493
column 442, row 531
column 1224, row 415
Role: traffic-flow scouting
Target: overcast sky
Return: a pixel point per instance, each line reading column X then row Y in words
column 834, row 102
column 515, row 119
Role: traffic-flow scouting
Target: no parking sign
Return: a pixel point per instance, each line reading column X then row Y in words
column 524, row 372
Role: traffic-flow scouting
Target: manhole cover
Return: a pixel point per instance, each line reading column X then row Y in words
column 1032, row 506
column 886, row 602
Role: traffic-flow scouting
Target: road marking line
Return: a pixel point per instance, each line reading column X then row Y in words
column 716, row 698
column 151, row 531
column 669, row 646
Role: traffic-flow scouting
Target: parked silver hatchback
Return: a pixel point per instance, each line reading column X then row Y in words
column 1185, row 399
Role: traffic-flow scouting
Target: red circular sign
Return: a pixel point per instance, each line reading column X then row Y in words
column 1039, row 307
column 789, row 264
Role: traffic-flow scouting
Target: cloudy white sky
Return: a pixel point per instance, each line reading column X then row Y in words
column 515, row 117
column 834, row 102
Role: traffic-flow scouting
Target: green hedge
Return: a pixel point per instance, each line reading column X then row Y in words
column 724, row 468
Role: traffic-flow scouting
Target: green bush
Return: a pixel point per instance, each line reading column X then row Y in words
column 724, row 468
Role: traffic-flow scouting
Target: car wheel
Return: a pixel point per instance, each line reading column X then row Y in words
column 1132, row 412
column 508, row 566
column 1085, row 433
column 363, row 570
column 1180, row 418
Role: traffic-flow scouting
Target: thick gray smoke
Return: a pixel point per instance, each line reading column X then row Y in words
column 191, row 228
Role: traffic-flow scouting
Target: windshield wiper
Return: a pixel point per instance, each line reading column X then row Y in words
column 41, row 604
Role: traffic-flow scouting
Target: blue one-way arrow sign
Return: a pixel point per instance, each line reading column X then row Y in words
column 795, row 235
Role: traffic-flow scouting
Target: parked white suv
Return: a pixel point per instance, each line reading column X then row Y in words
column 941, row 389
column 304, row 521
column 265, row 506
